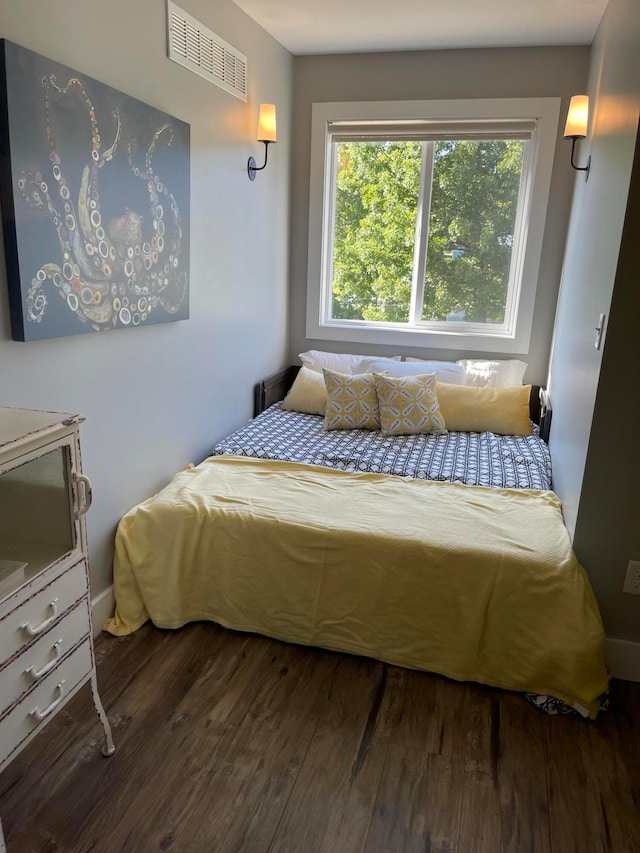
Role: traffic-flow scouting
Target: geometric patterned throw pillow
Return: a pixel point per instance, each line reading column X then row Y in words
column 409, row 405
column 352, row 401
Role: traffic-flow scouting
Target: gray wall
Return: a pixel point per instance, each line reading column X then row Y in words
column 156, row 398
column 596, row 393
column 496, row 73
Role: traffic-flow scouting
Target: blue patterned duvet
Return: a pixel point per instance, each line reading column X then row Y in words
column 476, row 459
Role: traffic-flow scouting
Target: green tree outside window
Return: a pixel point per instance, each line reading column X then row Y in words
column 473, row 203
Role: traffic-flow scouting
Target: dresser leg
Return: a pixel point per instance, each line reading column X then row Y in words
column 108, row 747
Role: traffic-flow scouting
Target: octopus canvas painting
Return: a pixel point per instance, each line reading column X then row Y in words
column 95, row 203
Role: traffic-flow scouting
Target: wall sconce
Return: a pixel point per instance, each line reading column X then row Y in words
column 576, row 128
column 266, row 134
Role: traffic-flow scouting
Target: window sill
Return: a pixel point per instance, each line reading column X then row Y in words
column 458, row 340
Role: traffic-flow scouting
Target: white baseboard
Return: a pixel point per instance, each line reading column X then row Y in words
column 102, row 607
column 623, row 659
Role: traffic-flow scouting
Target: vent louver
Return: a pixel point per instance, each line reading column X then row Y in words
column 197, row 48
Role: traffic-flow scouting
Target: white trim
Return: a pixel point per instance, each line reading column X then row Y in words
column 623, row 659
column 545, row 110
column 102, row 608
column 422, row 234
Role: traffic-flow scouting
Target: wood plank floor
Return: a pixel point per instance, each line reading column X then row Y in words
column 228, row 742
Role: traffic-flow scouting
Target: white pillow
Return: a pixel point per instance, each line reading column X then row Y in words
column 445, row 371
column 482, row 373
column 339, row 362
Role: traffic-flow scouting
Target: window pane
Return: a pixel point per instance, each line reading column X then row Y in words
column 377, row 185
column 471, row 224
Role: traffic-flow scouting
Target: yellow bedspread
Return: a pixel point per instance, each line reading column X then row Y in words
column 474, row 583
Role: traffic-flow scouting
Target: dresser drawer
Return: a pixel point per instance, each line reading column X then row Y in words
column 43, row 655
column 37, row 708
column 36, row 607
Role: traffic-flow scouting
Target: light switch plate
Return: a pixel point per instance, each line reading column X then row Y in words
column 632, row 578
column 599, row 331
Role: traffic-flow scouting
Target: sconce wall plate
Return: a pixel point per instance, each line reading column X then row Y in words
column 251, row 163
column 586, row 169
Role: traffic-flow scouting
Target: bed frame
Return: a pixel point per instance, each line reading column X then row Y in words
column 274, row 388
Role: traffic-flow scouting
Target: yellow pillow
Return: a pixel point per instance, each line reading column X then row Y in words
column 409, row 405
column 504, row 411
column 308, row 394
column 352, row 402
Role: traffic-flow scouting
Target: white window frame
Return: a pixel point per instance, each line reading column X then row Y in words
column 513, row 336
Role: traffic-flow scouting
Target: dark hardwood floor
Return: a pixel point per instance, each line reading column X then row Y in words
column 232, row 742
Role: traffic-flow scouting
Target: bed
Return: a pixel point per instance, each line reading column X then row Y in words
column 446, row 554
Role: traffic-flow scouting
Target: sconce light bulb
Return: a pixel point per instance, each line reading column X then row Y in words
column 267, row 123
column 577, row 117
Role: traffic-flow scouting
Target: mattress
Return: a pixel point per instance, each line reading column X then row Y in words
column 474, row 459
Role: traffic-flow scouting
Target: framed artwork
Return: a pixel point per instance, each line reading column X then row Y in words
column 94, row 187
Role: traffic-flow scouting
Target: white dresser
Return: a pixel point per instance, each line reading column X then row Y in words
column 46, row 635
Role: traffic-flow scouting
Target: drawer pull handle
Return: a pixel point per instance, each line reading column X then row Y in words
column 33, row 632
column 87, row 493
column 41, row 715
column 38, row 673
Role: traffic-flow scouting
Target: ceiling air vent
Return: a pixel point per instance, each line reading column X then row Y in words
column 195, row 47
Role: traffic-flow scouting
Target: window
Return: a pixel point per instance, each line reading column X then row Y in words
column 426, row 221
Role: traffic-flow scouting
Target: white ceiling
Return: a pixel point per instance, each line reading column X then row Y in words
column 346, row 26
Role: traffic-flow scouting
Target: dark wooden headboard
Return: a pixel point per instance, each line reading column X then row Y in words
column 274, row 388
